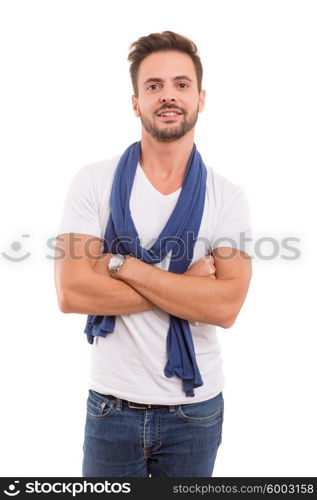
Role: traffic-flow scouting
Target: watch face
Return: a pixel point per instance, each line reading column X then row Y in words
column 115, row 261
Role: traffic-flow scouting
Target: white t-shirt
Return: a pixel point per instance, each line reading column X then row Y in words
column 129, row 363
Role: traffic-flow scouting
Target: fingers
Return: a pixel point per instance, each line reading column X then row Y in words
column 210, row 258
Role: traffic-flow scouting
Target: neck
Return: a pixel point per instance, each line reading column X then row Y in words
column 166, row 159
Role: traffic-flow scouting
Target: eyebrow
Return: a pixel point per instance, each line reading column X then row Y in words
column 159, row 80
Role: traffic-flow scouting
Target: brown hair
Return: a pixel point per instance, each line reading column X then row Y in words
column 155, row 42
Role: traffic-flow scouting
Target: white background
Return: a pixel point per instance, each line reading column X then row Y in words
column 66, row 101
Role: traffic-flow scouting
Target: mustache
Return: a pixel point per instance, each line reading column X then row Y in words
column 169, row 107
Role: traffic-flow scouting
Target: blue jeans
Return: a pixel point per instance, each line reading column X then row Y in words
column 176, row 441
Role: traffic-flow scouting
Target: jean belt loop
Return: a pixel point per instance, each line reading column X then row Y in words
column 118, row 404
column 171, row 408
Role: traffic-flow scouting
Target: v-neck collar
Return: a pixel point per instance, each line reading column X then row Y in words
column 149, row 183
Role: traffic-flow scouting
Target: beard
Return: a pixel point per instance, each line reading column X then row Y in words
column 170, row 132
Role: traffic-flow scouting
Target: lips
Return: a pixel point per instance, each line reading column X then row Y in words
column 169, row 118
column 169, row 115
column 170, row 112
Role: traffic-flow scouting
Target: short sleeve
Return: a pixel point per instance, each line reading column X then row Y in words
column 81, row 206
column 234, row 226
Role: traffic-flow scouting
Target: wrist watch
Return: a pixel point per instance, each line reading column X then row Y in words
column 115, row 263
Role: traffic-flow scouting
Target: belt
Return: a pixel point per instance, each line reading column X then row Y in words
column 135, row 406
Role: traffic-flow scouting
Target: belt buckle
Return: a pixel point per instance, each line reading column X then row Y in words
column 144, row 407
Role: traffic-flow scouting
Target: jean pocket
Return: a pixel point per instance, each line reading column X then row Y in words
column 98, row 406
column 204, row 411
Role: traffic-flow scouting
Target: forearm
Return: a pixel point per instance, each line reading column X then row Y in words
column 102, row 295
column 194, row 298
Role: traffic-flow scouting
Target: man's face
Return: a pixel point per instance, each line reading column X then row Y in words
column 167, row 83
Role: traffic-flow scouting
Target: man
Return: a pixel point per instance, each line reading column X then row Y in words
column 137, row 236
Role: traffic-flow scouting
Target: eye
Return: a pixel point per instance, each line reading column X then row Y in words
column 183, row 83
column 153, row 85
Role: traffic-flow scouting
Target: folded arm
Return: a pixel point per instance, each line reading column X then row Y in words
column 84, row 286
column 82, row 282
column 195, row 298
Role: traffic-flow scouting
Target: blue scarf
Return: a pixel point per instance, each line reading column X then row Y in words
column 178, row 236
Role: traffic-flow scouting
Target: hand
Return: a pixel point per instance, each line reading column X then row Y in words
column 203, row 267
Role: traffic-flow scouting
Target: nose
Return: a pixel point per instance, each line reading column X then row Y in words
column 167, row 99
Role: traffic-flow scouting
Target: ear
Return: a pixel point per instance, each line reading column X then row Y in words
column 135, row 105
column 202, row 97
